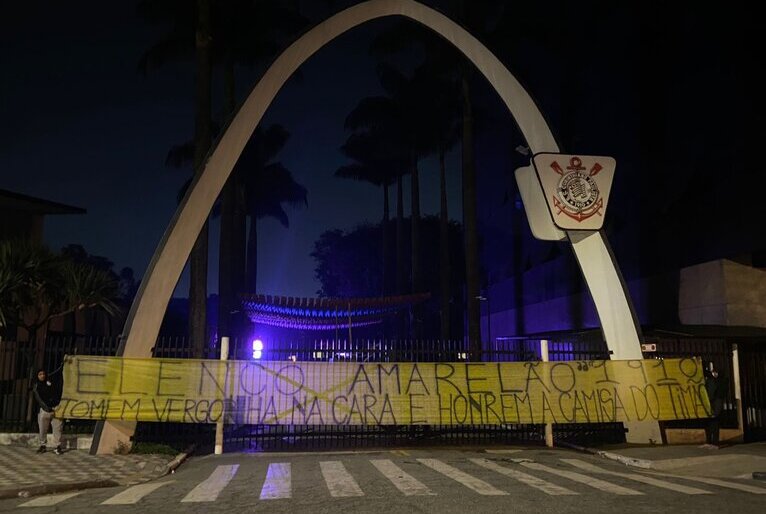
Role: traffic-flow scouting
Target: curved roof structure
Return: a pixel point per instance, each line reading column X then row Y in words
column 324, row 313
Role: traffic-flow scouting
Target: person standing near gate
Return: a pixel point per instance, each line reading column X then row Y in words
column 48, row 397
column 716, row 388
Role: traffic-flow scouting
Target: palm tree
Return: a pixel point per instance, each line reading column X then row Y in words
column 238, row 32
column 403, row 111
column 422, row 110
column 246, row 32
column 191, row 30
column 376, row 163
column 440, row 111
column 268, row 186
column 444, row 60
column 37, row 285
column 381, row 118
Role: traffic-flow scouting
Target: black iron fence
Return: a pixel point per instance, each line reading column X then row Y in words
column 715, row 350
column 752, row 362
column 18, row 362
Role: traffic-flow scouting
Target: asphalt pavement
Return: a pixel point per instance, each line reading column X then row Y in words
column 436, row 480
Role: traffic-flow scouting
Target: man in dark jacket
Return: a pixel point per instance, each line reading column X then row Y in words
column 48, row 397
column 716, row 388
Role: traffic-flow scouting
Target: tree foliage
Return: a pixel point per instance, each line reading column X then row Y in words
column 37, row 285
column 347, row 265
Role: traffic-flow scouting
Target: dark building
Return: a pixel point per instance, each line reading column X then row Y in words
column 22, row 216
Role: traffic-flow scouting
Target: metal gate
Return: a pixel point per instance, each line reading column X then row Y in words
column 752, row 365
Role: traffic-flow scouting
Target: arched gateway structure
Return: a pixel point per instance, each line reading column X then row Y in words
column 597, row 264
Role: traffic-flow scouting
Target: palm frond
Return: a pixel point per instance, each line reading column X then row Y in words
column 174, row 48
column 371, row 113
column 86, row 287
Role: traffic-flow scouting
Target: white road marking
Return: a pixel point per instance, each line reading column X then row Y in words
column 584, row 479
column 524, row 478
column 403, row 481
column 278, row 482
column 339, row 481
column 480, row 486
column 209, row 490
column 636, row 477
column 134, row 494
column 501, row 451
column 47, row 501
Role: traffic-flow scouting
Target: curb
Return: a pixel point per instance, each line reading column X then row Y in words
column 628, row 461
column 36, row 490
column 171, row 466
column 42, row 489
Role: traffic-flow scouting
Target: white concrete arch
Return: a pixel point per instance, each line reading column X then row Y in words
column 145, row 318
column 167, row 264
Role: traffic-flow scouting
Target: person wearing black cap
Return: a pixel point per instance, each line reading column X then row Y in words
column 48, row 397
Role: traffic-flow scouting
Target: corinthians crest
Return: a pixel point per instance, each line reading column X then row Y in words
column 577, row 193
column 576, row 188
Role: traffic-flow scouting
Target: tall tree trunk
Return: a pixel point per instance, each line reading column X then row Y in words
column 198, row 259
column 400, row 249
column 228, row 200
column 444, row 257
column 239, row 253
column 415, row 246
column 385, row 275
column 384, row 242
column 470, row 224
column 252, row 256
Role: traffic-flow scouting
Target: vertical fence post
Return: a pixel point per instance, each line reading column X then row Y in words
column 548, row 426
column 219, row 424
column 737, row 387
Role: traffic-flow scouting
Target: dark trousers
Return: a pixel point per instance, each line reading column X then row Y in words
column 712, row 430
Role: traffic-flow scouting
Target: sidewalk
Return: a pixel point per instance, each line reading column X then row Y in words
column 735, row 461
column 23, row 472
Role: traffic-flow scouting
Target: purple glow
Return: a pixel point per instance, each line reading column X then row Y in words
column 324, row 313
column 257, row 349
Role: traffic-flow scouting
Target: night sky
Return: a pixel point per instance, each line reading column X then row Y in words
column 82, row 126
column 89, row 130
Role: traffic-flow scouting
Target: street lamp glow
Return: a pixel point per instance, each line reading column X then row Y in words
column 257, row 348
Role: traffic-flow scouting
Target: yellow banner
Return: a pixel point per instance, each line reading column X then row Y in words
column 404, row 393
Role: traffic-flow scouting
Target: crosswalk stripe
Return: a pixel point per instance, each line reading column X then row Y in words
column 584, row 479
column 339, row 481
column 480, row 486
column 714, row 481
column 47, row 501
column 636, row 477
column 278, row 483
column 524, row 478
column 209, row 490
column 134, row 494
column 403, row 481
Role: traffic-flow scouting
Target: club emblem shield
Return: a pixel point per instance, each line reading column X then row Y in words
column 576, row 188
